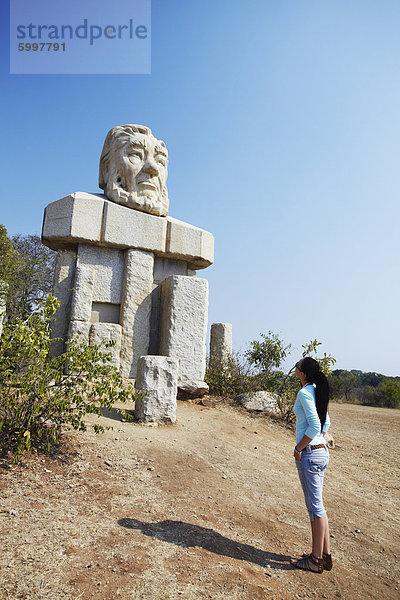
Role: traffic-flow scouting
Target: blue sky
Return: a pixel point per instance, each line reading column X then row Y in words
column 282, row 123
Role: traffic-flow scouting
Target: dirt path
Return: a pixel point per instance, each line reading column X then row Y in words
column 208, row 508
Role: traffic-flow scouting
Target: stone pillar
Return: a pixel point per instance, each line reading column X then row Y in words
column 136, row 309
column 158, row 377
column 82, row 296
column 220, row 342
column 62, row 289
column 184, row 312
column 107, row 332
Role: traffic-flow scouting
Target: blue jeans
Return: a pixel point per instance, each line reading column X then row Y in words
column 311, row 470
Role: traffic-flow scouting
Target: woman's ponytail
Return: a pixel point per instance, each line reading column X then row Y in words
column 311, row 369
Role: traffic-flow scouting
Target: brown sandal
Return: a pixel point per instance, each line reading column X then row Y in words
column 326, row 560
column 304, row 563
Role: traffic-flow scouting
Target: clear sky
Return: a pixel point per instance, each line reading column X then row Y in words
column 281, row 118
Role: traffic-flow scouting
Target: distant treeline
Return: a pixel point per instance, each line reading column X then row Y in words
column 371, row 389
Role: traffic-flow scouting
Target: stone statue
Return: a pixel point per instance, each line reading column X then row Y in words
column 134, row 169
column 126, row 271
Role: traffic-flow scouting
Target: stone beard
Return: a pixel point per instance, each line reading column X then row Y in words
column 134, row 169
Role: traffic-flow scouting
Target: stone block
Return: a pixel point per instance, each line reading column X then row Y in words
column 63, row 283
column 184, row 313
column 82, row 296
column 77, row 217
column 220, row 342
column 79, row 330
column 108, row 332
column 259, row 401
column 136, row 308
column 126, row 227
column 109, row 266
column 191, row 389
column 158, row 377
column 190, row 243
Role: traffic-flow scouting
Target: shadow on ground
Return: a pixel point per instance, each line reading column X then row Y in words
column 188, row 536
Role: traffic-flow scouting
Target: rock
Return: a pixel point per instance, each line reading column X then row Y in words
column 82, row 296
column 158, row 377
column 184, row 309
column 220, row 342
column 261, row 401
column 191, row 389
column 210, row 402
column 107, row 332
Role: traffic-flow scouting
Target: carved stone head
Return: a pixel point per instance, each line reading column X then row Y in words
column 134, row 169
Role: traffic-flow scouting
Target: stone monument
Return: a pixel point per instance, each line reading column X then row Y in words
column 126, row 271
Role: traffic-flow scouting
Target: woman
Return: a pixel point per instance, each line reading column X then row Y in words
column 312, row 457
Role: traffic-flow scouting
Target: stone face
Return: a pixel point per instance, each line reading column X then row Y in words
column 158, row 376
column 136, row 309
column 118, row 249
column 63, row 284
column 191, row 389
column 134, row 169
column 262, row 401
column 184, row 324
column 104, row 332
column 82, row 296
column 220, row 342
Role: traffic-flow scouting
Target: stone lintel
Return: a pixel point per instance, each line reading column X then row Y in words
column 91, row 218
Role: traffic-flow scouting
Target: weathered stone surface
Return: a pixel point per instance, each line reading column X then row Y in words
column 124, row 227
column 104, row 332
column 163, row 268
column 263, row 401
column 158, row 376
column 191, row 243
column 74, row 218
column 134, row 169
column 220, row 342
column 82, row 218
column 79, row 330
column 136, row 309
column 109, row 266
column 63, row 283
column 184, row 323
column 191, row 389
column 82, row 296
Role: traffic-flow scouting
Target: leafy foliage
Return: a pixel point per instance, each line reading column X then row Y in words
column 261, row 369
column 371, row 389
column 31, row 276
column 37, row 397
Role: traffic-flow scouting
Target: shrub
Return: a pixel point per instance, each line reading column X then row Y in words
column 230, row 377
column 38, row 399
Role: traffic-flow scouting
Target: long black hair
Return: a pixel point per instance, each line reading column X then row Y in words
column 311, row 369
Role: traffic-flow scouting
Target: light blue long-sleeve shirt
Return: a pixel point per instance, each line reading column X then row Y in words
column 307, row 419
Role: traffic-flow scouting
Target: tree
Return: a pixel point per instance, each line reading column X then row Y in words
column 31, row 277
column 6, row 262
column 38, row 399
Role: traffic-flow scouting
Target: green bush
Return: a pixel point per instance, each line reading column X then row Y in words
column 230, row 377
column 39, row 397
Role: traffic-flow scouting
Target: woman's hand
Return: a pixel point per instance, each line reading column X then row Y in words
column 296, row 454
